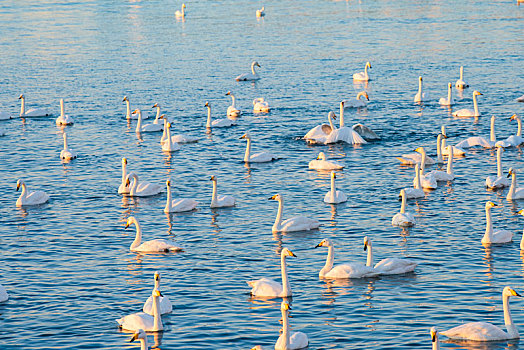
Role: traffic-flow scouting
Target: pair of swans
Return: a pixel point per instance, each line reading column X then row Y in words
column 498, row 181
column 30, row 198
column 296, row 223
column 63, row 119
column 334, row 196
column 269, row 288
column 465, row 112
column 363, row 76
column 178, row 205
column 130, row 115
column 420, row 96
column 498, row 236
column 141, row 320
column 514, row 191
column 175, row 139
column 427, row 180
column 322, row 163
column 67, row 153
column 152, row 127
column 357, row 102
column 165, row 304
column 138, row 189
column 233, row 111
column 142, row 187
column 449, row 100
column 261, row 157
column 403, row 218
column 260, row 105
column 460, row 83
column 217, row 123
column 152, row 246
column 251, row 75
column 222, row 200
column 181, row 13
column 33, row 112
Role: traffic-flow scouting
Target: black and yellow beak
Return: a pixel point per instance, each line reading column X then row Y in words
column 17, row 186
column 133, row 338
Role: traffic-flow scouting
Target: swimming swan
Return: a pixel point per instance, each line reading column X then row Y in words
column 320, row 133
column 217, row 123
column 63, row 119
column 343, row 133
column 266, row 287
column 499, row 181
column 147, row 127
column 322, row 163
column 261, row 13
column 457, row 152
column 33, row 112
column 249, row 76
column 403, row 218
column 358, row 101
column 181, row 13
column 427, row 180
column 152, row 246
column 515, row 140
column 363, row 76
column 365, row 131
column 483, row 331
column 415, row 191
column 67, row 153
column 388, row 266
column 177, row 138
column 220, row 201
column 499, row 236
column 447, row 175
column 260, row 105
column 461, row 84
column 178, row 205
column 144, row 189
column 261, row 157
column 158, row 115
column 130, row 115
column 141, row 336
column 414, row 158
column 232, row 111
column 514, row 192
column 420, row 96
column 480, row 141
column 334, row 196
column 141, row 320
column 169, row 145
column 30, row 198
column 296, row 223
column 297, row 340
column 465, row 113
column 124, row 188
column 164, row 302
column 449, row 100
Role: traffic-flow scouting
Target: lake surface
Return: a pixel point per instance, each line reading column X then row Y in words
column 67, row 264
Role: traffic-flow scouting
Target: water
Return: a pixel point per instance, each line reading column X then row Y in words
column 67, row 264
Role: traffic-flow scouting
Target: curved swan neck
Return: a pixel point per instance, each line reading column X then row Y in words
column 508, row 321
column 247, row 155
column 475, row 105
column 286, row 288
column 366, row 71
column 208, row 124
column 138, row 237
column 143, row 344
column 157, row 321
column 214, row 195
column 285, row 329
column 369, row 261
column 403, row 205
column 492, row 137
column 329, row 261
column 360, row 94
column 489, row 224
column 341, row 114
column 134, row 186
column 22, row 108
column 499, row 161
column 24, row 191
column 331, row 123
column 253, row 68
column 128, row 109
column 62, row 111
column 449, row 169
column 233, row 100
column 278, row 220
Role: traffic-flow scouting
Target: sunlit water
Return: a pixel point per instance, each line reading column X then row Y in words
column 67, row 264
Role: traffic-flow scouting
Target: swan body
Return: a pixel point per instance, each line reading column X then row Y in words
column 320, row 133
column 420, row 96
column 499, row 236
column 363, row 76
column 33, row 112
column 63, row 119
column 5, row 115
column 358, row 101
column 261, row 13
column 352, row 270
column 141, row 336
column 249, row 76
column 269, row 288
column 480, row 141
column 447, row 175
column 457, row 151
column 514, row 192
column 296, row 223
column 366, row 132
column 417, row 157
column 461, row 84
column 321, row 163
column 169, row 145
column 67, row 153
column 388, row 266
column 427, row 180
column 415, row 191
column 175, row 139
column 287, row 341
column 220, row 201
column 178, row 205
column 3, row 294
column 520, row 99
column 130, row 115
column 465, row 113
column 483, row 331
column 344, row 134
column 152, row 246
column 217, row 123
column 334, row 196
column 403, row 218
column 147, row 127
column 144, row 189
column 449, row 100
column 517, row 139
column 181, row 13
column 165, row 304
column 499, row 181
column 232, row 111
column 261, row 157
column 260, row 105
column 30, row 198
column 141, row 320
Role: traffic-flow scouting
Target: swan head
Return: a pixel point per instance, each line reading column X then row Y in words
column 139, row 334
column 324, row 243
column 276, row 197
column 213, row 178
column 402, row 193
column 333, row 175
column 287, row 252
column 125, row 99
column 476, row 93
column 321, row 156
column 434, row 334
column 21, row 96
column 514, row 117
column 521, row 212
column 449, row 85
column 368, row 64
column 168, row 183
column 284, row 306
column 367, row 242
column 183, row 6
column 129, row 221
column 510, row 292
column 332, row 114
column 420, row 78
column 229, row 93
column 420, row 150
column 365, row 94
column 168, row 124
column 207, row 104
column 245, row 136
column 134, row 176
column 511, row 172
column 136, row 111
column 157, row 276
column 19, row 183
column 163, row 116
column 490, row 205
column 124, row 161
column 255, row 63
column 155, row 105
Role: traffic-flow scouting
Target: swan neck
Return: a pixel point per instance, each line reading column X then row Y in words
column 499, row 161
column 168, row 204
column 168, row 137
column 253, row 68
column 134, row 186
column 278, row 220
column 492, row 137
column 24, row 191
column 208, row 124
column 366, row 71
column 139, row 122
column 341, row 115
column 143, row 344
column 128, row 110
column 233, row 101
column 157, row 321
column 22, row 108
column 475, row 106
column 286, row 288
column 157, row 113
column 333, row 189
column 285, row 329
column 519, row 128
column 513, row 187
column 247, row 155
column 439, row 149
column 360, row 94
column 62, row 112
column 157, row 284
column 417, row 178
column 369, row 261
column 331, row 123
column 489, row 225
column 329, row 261
column 138, row 237
column 403, row 205
column 214, row 195
column 436, row 344
column 449, row 169
column 124, row 174
column 420, row 88
column 450, row 96
column 508, row 321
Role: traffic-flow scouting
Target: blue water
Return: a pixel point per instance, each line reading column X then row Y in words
column 67, row 264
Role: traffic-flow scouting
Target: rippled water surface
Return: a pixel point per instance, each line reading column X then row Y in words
column 67, row 264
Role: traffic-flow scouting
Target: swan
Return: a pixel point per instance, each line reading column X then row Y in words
column 261, row 157
column 169, row 145
column 334, row 196
column 499, row 236
column 403, row 218
column 358, row 101
column 515, row 140
column 363, row 76
column 447, row 175
column 64, row 119
column 435, row 342
column 220, row 201
column 232, row 110
column 480, row 141
column 249, row 76
column 141, row 320
column 465, row 113
column 178, row 138
column 67, row 153
column 261, row 13
column 343, row 133
column 296, row 223
column 366, row 132
column 33, row 112
column 30, row 198
column 514, row 191
column 181, row 13
column 415, row 191
column 414, row 158
column 321, row 163
column 152, row 246
column 420, row 96
column 3, row 294
column 5, row 115
column 130, row 115
column 440, row 138
column 165, row 304
column 388, row 266
column 351, row 270
column 260, row 105
column 143, row 189
column 520, row 99
column 427, row 180
column 297, row 340
column 266, row 287
column 217, row 123
column 141, row 336
column 147, row 127
column 320, row 133
column 461, row 84
column 124, row 187
column 178, row 205
column 449, row 100
column 457, row 151
column 499, row 181
column 483, row 331
column 158, row 115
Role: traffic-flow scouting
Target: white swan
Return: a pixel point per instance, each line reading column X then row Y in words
column 296, row 223
column 461, row 84
column 365, row 131
column 358, row 101
column 260, row 105
column 403, row 218
column 499, row 181
column 67, row 153
column 33, row 112
column 517, row 139
column 514, row 191
column 5, row 115
column 388, row 266
column 141, row 320
column 343, row 133
column 165, row 304
column 435, row 342
column 420, row 96
column 144, row 189
column 465, row 113
column 415, row 191
column 363, row 76
column 124, row 187
column 480, row 141
column 152, row 246
column 342, row 271
column 220, row 201
column 499, row 236
column 178, row 205
column 249, row 76
column 320, row 133
column 321, row 163
column 181, row 13
column 483, row 331
column 334, row 196
column 3, row 294
column 286, row 341
column 147, row 127
column 169, row 145
column 427, row 180
column 217, row 123
column 63, row 119
column 266, row 287
column 30, row 198
column 449, row 100
column 130, row 115
column 177, row 138
column 261, row 157
column 232, row 111
column 447, row 175
column 261, row 13
column 414, row 158
column 457, row 151
column 141, row 336
column 158, row 115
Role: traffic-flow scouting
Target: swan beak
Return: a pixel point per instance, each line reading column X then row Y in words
column 163, row 116
column 292, row 254
column 513, row 117
column 160, row 294
column 127, row 182
column 125, row 99
column 20, row 97
column 433, row 337
column 206, row 105
column 127, row 225
column 365, row 246
column 212, row 178
column 521, row 212
column 318, row 245
column 514, row 293
column 134, row 337
column 17, row 186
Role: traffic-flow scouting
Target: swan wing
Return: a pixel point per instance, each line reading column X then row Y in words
column 428, row 181
column 36, row 197
column 347, row 135
column 351, row 270
column 148, row 189
column 157, row 246
column 495, row 182
column 299, row 223
column 502, row 236
column 440, row 175
column 152, row 127
column 225, row 201
column 340, row 197
column 403, row 220
column 165, row 305
column 320, row 164
column 475, row 141
column 414, row 193
column 297, row 340
column 464, row 113
column 318, row 133
column 479, row 331
column 134, row 322
column 520, row 99
column 519, row 194
column 457, row 151
column 513, row 140
column 265, row 287
column 36, row 112
column 183, row 204
column 395, row 266
column 365, row 132
column 262, row 157
column 222, row 123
